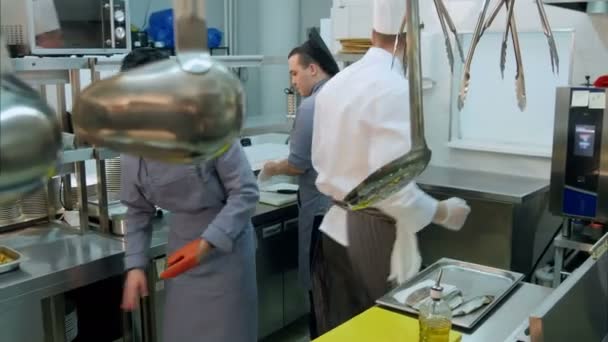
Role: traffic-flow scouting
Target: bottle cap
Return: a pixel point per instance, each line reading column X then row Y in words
column 436, row 292
column 437, row 289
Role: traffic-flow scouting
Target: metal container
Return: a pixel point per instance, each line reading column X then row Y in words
column 13, row 254
column 117, row 213
column 119, row 225
column 472, row 279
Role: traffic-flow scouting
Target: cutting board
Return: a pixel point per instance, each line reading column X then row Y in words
column 378, row 325
column 270, row 197
column 277, row 200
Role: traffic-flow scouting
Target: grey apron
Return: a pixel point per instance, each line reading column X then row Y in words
column 217, row 300
column 311, row 203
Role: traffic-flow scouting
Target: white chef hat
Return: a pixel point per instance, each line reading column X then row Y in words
column 388, row 15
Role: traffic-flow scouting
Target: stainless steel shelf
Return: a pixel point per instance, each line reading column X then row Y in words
column 30, row 64
column 73, row 156
column 86, row 153
column 50, row 63
column 104, row 153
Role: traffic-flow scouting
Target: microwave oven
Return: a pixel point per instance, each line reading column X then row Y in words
column 66, row 27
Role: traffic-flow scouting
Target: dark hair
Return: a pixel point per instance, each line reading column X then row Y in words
column 305, row 58
column 142, row 56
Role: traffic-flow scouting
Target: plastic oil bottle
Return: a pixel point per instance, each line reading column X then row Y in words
column 435, row 316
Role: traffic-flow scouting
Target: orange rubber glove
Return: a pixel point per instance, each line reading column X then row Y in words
column 184, row 259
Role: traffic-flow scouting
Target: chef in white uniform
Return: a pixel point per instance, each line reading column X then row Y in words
column 361, row 123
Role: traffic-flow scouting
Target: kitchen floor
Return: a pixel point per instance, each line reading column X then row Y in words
column 295, row 332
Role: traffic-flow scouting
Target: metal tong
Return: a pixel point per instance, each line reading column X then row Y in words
column 401, row 28
column 512, row 28
column 477, row 33
column 549, row 34
column 520, row 83
column 446, row 22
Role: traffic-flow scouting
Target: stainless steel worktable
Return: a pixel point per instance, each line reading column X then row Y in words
column 57, row 258
column 508, row 315
column 509, row 222
column 480, row 184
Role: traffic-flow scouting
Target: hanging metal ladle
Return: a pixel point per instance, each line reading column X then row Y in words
column 397, row 174
column 30, row 137
column 181, row 110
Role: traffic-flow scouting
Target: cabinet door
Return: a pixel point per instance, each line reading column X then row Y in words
column 296, row 298
column 269, row 269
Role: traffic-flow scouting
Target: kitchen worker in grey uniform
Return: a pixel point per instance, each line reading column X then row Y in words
column 211, row 204
column 310, row 66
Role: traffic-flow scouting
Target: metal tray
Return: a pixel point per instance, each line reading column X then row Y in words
column 13, row 254
column 472, row 279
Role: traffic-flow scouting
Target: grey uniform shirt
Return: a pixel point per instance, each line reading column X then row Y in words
column 311, row 202
column 300, row 153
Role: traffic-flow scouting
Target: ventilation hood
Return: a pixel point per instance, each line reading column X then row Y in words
column 588, row 6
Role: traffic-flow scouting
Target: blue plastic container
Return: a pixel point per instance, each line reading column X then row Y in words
column 160, row 29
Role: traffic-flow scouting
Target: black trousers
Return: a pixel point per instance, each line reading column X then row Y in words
column 314, row 246
column 348, row 280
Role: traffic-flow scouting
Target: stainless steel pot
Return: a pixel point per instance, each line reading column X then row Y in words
column 119, row 225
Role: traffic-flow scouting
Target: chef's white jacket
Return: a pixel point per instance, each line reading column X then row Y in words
column 361, row 123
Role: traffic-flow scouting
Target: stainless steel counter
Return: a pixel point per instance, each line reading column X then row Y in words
column 481, row 185
column 57, row 258
column 509, row 222
column 508, row 316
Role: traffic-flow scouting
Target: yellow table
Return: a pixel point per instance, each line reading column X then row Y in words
column 378, row 325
